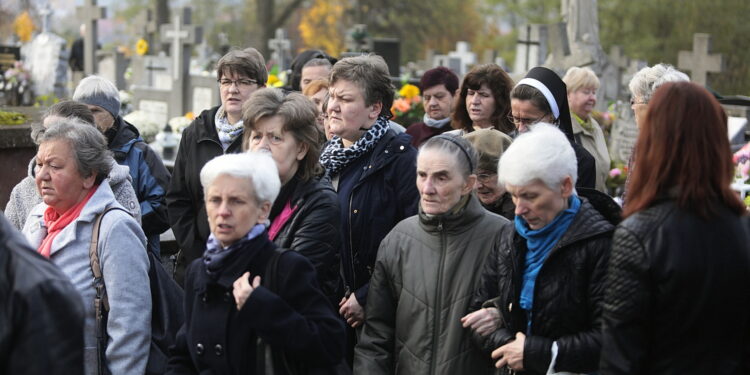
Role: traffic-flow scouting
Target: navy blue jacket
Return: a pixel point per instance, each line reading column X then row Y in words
column 375, row 193
column 218, row 339
column 150, row 179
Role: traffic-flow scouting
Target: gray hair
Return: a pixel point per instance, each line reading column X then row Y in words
column 256, row 167
column 460, row 149
column 317, row 62
column 543, row 153
column 245, row 62
column 370, row 73
column 65, row 109
column 647, row 80
column 88, row 145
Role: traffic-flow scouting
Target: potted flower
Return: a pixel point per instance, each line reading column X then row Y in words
column 407, row 107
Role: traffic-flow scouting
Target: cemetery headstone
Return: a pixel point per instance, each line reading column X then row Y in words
column 390, row 50
column 358, row 39
column 464, row 55
column 623, row 135
column 112, row 66
column 531, row 47
column 8, row 56
column 89, row 14
column 452, row 63
column 280, row 46
column 46, row 59
column 181, row 36
column 700, row 61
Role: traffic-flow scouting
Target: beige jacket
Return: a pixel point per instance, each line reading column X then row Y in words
column 596, row 145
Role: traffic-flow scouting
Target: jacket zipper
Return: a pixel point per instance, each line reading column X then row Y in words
column 438, row 302
column 351, row 288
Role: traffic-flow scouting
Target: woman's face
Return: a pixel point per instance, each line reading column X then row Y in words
column 639, row 107
column 582, row 101
column 525, row 114
column 234, row 90
column 537, row 204
column 232, row 208
column 487, row 187
column 348, row 115
column 318, row 99
column 440, row 184
column 57, row 178
column 269, row 135
column 481, row 105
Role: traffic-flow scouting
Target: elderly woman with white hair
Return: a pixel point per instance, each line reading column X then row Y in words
column 582, row 84
column 250, row 307
column 71, row 169
column 541, row 290
column 644, row 83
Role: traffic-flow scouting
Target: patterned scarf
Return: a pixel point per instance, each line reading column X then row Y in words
column 215, row 254
column 227, row 132
column 335, row 157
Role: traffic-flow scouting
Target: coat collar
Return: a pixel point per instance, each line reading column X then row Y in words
column 205, row 130
column 453, row 222
column 385, row 152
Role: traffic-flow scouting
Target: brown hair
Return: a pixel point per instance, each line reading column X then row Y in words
column 370, row 74
column 683, row 149
column 499, row 83
column 298, row 114
column 243, row 62
column 313, row 87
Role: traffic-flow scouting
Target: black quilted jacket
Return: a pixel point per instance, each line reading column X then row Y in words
column 567, row 295
column 678, row 295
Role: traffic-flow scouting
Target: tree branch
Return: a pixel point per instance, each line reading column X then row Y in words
column 278, row 22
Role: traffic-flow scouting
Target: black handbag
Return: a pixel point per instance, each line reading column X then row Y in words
column 275, row 362
column 167, row 315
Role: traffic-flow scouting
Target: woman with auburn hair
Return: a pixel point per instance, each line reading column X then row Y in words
column 677, row 296
column 483, row 101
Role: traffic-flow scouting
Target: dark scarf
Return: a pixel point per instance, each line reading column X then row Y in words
column 335, row 157
column 216, row 255
column 285, row 195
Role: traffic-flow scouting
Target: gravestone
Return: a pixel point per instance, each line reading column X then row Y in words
column 619, row 63
column 699, row 61
column 112, row 66
column 152, row 71
column 204, row 93
column 8, row 56
column 623, row 135
column 89, row 14
column 146, row 24
column 531, row 48
column 280, row 47
column 358, row 39
column 181, row 36
column 464, row 55
column 452, row 63
column 47, row 60
column 390, row 50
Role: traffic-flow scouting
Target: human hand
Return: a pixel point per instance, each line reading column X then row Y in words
column 243, row 289
column 351, row 310
column 483, row 321
column 511, row 354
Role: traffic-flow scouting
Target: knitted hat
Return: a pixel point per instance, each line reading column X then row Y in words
column 95, row 90
column 490, row 145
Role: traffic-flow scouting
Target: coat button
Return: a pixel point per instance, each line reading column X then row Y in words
column 401, row 148
column 204, row 298
column 355, row 211
column 227, row 296
column 219, row 350
column 199, row 349
column 386, row 151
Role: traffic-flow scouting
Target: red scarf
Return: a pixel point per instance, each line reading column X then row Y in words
column 55, row 222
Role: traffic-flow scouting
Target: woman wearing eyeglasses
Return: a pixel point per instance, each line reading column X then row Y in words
column 214, row 132
column 542, row 96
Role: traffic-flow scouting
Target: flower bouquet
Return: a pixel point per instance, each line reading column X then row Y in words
column 616, row 179
column 16, row 82
column 407, row 108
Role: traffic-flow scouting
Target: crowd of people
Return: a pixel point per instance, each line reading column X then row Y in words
column 318, row 236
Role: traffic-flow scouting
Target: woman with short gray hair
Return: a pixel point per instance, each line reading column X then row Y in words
column 372, row 169
column 71, row 164
column 25, row 196
column 246, row 296
column 644, row 83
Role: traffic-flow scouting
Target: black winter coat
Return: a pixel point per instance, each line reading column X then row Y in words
column 567, row 295
column 187, row 211
column 314, row 231
column 218, row 339
column 41, row 313
column 385, row 193
column 678, row 294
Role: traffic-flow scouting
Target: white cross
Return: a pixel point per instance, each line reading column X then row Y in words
column 464, row 53
column 699, row 62
column 280, row 45
column 90, row 13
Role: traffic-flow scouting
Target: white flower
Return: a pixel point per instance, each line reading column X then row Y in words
column 145, row 124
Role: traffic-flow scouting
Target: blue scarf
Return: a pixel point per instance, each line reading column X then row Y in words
column 539, row 243
column 215, row 254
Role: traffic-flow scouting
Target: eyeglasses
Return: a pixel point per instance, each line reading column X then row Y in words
column 524, row 121
column 633, row 102
column 486, row 177
column 239, row 83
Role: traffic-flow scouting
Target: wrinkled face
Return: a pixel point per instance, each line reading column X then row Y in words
column 311, row 73
column 437, row 101
column 481, row 105
column 582, row 101
column 102, row 118
column 57, row 178
column 348, row 116
column 537, row 204
column 232, row 208
column 487, row 188
column 525, row 114
column 234, row 90
column 318, row 98
column 269, row 136
column 639, row 107
column 439, row 183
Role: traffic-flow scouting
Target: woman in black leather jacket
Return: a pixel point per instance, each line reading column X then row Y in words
column 305, row 216
column 678, row 287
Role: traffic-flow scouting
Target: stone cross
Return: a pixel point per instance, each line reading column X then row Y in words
column 45, row 12
column 181, row 35
column 281, row 46
column 90, row 13
column 619, row 63
column 146, row 24
column 531, row 47
column 464, row 54
column 699, row 62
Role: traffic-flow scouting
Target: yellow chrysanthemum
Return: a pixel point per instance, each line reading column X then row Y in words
column 24, row 26
column 408, row 91
column 141, row 47
column 190, row 116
